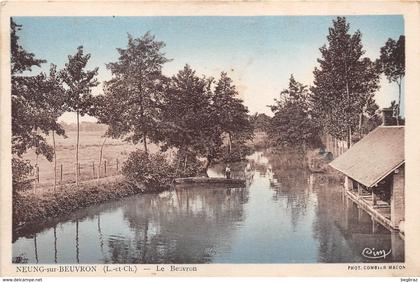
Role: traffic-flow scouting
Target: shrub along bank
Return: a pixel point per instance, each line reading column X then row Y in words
column 142, row 173
column 37, row 206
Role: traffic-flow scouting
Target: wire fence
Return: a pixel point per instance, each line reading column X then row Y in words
column 66, row 173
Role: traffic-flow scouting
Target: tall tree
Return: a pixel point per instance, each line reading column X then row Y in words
column 197, row 112
column 135, row 90
column 292, row 124
column 103, row 105
column 56, row 95
column 190, row 121
column 33, row 102
column 78, row 83
column 392, row 64
column 232, row 115
column 345, row 82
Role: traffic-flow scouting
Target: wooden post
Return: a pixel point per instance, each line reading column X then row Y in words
column 100, row 158
column 347, row 183
column 105, row 167
column 359, row 190
column 61, row 173
column 37, row 174
column 373, row 198
column 117, row 165
column 93, row 169
column 78, row 171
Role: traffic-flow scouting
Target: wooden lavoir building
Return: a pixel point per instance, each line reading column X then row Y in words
column 374, row 171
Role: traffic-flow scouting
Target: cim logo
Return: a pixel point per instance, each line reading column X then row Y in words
column 371, row 253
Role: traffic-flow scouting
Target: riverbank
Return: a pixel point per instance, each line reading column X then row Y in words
column 39, row 205
column 179, row 225
column 35, row 206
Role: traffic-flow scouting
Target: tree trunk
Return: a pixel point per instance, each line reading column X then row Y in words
column 36, row 160
column 145, row 142
column 55, row 160
column 208, row 163
column 77, row 150
column 399, row 102
column 348, row 108
column 348, row 136
column 142, row 118
column 230, row 142
column 36, row 170
column 185, row 161
column 100, row 158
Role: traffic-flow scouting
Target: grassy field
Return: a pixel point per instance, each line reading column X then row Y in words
column 89, row 151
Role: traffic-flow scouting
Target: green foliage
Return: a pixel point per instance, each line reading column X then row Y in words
column 33, row 99
column 79, row 82
column 189, row 117
column 392, row 59
column 392, row 64
column 237, row 153
column 186, row 164
column 186, row 112
column 260, row 122
column 195, row 117
column 21, row 170
column 133, row 94
column 151, row 170
column 292, row 124
column 345, row 82
column 21, row 60
column 37, row 102
column 231, row 113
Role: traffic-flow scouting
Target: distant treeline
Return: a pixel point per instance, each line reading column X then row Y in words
column 84, row 126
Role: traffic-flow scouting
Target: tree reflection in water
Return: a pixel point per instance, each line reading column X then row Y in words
column 284, row 214
column 288, row 179
column 340, row 227
column 185, row 225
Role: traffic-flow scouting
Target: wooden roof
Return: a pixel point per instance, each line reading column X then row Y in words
column 374, row 157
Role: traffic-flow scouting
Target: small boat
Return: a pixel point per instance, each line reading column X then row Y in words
column 210, row 180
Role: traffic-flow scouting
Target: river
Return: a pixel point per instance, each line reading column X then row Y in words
column 285, row 214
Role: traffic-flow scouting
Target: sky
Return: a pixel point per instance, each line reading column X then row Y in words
column 259, row 53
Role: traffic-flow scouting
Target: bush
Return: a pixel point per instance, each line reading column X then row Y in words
column 151, row 170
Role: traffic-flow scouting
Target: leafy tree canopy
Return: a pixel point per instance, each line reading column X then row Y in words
column 392, row 59
column 292, row 124
column 134, row 92
column 36, row 101
column 345, row 81
column 79, row 82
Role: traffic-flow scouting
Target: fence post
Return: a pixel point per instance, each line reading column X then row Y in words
column 117, row 165
column 61, row 173
column 93, row 169
column 78, row 171
column 105, row 167
column 37, row 174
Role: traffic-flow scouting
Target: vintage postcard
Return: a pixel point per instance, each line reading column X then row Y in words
column 210, row 138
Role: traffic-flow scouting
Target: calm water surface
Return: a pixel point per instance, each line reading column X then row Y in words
column 285, row 214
